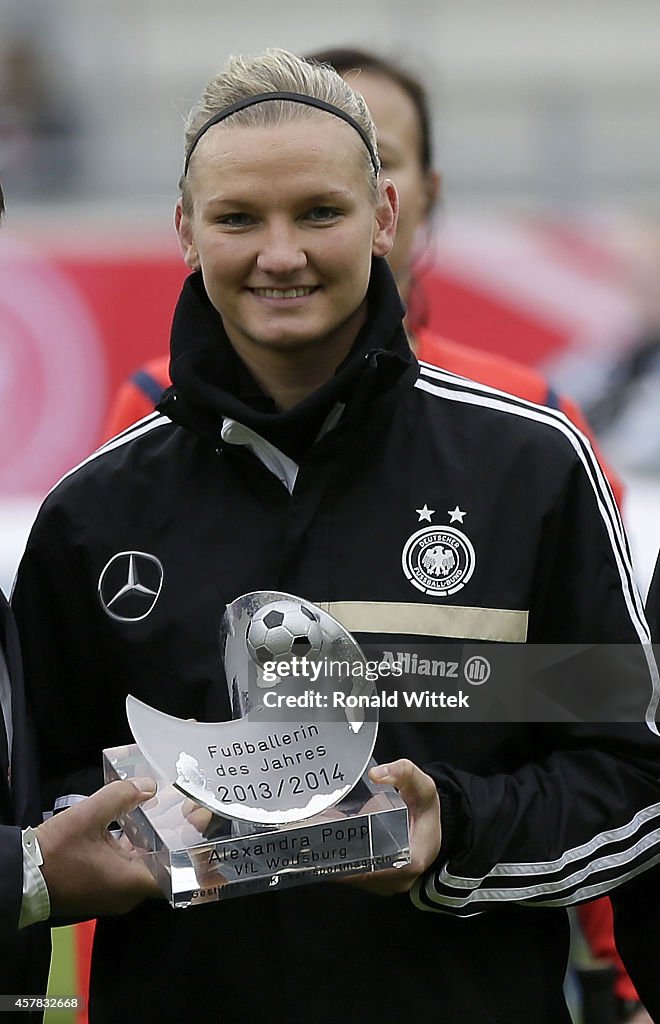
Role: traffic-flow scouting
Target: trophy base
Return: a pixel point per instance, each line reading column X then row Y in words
column 199, row 857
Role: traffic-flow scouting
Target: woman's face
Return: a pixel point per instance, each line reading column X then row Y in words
column 283, row 225
column 399, row 148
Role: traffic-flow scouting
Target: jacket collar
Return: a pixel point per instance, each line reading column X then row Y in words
column 211, row 384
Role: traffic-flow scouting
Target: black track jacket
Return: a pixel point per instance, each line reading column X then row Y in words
column 535, row 816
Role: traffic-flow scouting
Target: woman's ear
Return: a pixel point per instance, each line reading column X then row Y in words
column 183, row 225
column 387, row 213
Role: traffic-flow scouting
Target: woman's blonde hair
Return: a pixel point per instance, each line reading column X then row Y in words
column 276, row 71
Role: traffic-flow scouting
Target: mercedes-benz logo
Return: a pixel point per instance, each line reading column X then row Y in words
column 129, row 585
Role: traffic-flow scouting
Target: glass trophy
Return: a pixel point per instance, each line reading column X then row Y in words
column 279, row 795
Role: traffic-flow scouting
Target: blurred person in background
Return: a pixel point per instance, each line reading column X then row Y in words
column 38, row 154
column 24, row 952
column 625, row 412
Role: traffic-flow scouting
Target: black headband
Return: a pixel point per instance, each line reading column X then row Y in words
column 296, row 97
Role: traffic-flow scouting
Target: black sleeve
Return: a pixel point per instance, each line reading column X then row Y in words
column 11, row 879
column 637, row 904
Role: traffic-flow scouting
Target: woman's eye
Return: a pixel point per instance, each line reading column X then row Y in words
column 235, row 220
column 321, row 213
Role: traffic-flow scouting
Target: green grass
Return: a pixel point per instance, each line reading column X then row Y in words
column 62, row 981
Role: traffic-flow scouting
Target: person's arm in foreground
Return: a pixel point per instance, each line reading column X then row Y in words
column 85, row 869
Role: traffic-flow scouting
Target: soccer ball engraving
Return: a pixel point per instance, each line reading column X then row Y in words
column 282, row 630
